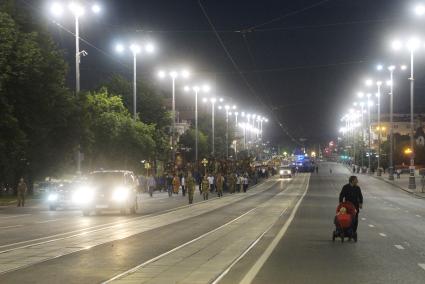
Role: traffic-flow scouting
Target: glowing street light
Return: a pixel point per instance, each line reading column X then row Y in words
column 196, row 89
column 135, row 50
column 412, row 45
column 173, row 74
column 419, row 10
column 77, row 10
column 390, row 83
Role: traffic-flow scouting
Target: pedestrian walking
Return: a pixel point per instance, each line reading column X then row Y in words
column 219, row 184
column 176, row 184
column 211, row 182
column 169, row 184
column 22, row 191
column 317, row 169
column 398, row 173
column 245, row 183
column 330, row 171
column 183, row 185
column 351, row 192
column 205, row 188
column 190, row 186
column 238, row 183
column 232, row 183
column 151, row 184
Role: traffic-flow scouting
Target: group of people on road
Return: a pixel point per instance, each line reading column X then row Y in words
column 186, row 183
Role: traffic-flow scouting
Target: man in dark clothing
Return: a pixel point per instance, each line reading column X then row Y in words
column 351, row 192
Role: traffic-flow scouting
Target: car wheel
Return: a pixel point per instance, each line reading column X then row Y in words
column 52, row 207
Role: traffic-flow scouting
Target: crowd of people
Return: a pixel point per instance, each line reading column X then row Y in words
column 186, row 182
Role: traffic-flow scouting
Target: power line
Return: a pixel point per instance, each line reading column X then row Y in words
column 235, row 65
column 286, row 15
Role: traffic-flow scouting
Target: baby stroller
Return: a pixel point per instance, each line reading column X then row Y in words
column 344, row 221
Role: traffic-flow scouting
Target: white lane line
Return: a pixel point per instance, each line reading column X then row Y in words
column 47, row 221
column 407, row 211
column 363, row 219
column 10, row 227
column 399, row 246
column 272, row 246
column 176, row 248
column 224, row 273
column 14, row 216
column 382, row 235
column 422, row 265
column 372, row 226
column 419, row 216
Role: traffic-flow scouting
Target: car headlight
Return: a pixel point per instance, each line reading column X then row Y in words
column 83, row 196
column 52, row 197
column 281, row 172
column 120, row 194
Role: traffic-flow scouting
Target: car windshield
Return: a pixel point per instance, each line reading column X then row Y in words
column 107, row 178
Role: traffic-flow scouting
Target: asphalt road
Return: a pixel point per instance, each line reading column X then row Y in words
column 278, row 232
column 390, row 249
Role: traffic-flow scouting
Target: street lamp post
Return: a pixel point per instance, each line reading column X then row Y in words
column 379, row 84
column 369, row 105
column 77, row 10
column 173, row 75
column 135, row 49
column 196, row 89
column 412, row 45
column 390, row 83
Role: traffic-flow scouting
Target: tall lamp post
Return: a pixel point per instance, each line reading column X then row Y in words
column 412, row 45
column 390, row 83
column 135, row 49
column 378, row 95
column 369, row 105
column 77, row 10
column 173, row 74
column 196, row 89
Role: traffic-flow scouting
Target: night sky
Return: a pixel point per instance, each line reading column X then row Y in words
column 302, row 62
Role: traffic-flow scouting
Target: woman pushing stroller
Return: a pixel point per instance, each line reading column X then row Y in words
column 351, row 196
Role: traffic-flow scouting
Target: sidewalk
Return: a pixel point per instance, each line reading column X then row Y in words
column 403, row 183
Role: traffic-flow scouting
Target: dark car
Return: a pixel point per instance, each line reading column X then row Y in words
column 108, row 190
column 60, row 196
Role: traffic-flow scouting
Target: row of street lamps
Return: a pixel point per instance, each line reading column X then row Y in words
column 411, row 45
column 77, row 9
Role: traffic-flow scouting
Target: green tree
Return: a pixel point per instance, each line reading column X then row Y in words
column 111, row 137
column 187, row 144
column 39, row 111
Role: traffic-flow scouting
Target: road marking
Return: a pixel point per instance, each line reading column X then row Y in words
column 422, row 265
column 363, row 219
column 9, row 227
column 399, row 246
column 47, row 221
column 407, row 211
column 372, row 226
column 382, row 235
column 419, row 216
column 272, row 246
column 176, row 248
column 14, row 216
column 224, row 273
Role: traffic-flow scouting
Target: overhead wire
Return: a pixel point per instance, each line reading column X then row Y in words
column 243, row 77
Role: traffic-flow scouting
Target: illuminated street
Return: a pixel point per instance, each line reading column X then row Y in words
column 206, row 142
column 236, row 238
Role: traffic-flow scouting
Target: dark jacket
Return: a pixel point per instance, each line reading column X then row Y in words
column 352, row 194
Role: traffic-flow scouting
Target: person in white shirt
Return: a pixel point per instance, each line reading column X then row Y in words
column 183, row 185
column 211, row 182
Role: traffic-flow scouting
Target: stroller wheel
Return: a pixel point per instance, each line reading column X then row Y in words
column 333, row 236
column 355, row 237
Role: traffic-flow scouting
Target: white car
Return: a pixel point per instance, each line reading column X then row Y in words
column 285, row 172
column 108, row 190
